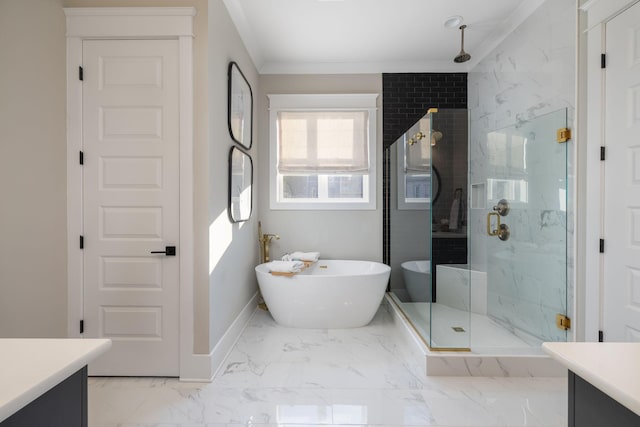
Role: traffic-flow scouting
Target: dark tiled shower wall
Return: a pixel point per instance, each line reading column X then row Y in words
column 406, row 97
column 449, row 156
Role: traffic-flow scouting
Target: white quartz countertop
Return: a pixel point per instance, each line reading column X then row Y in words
column 31, row 367
column 614, row 368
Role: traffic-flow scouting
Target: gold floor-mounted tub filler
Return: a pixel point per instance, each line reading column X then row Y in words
column 265, row 241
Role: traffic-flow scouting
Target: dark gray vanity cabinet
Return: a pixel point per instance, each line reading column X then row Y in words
column 590, row 407
column 65, row 405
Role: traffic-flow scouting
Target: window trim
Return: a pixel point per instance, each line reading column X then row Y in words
column 403, row 204
column 322, row 102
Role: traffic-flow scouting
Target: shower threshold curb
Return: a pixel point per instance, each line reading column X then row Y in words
column 443, row 363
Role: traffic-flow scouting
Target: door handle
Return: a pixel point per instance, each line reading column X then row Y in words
column 502, row 231
column 491, row 232
column 169, row 251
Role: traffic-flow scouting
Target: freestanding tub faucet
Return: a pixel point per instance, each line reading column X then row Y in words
column 265, row 241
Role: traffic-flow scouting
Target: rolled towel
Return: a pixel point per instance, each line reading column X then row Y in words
column 286, row 266
column 306, row 256
column 286, row 257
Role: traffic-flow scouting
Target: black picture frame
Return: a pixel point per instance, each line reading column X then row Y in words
column 240, row 202
column 240, row 107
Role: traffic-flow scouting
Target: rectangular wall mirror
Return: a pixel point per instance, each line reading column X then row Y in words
column 240, row 107
column 240, row 183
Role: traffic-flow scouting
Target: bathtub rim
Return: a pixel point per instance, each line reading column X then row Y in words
column 376, row 268
column 406, row 265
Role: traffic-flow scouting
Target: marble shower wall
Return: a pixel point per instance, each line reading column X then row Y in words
column 529, row 75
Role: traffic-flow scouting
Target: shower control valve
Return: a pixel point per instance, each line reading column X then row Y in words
column 502, row 207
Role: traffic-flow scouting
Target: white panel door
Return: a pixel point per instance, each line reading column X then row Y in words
column 131, row 204
column 621, row 291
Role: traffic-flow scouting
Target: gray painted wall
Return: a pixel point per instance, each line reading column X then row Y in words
column 33, row 261
column 336, row 234
column 232, row 248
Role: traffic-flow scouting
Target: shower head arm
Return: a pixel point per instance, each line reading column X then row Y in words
column 462, row 56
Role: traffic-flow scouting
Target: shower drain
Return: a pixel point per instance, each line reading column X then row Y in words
column 457, row 328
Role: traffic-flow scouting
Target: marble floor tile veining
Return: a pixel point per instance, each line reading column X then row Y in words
column 368, row 376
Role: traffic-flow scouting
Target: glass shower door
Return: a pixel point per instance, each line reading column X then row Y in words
column 519, row 238
column 450, row 306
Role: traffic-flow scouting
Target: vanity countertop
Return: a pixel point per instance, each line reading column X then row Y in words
column 614, row 368
column 31, row 367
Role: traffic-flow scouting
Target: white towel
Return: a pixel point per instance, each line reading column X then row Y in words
column 286, row 266
column 453, row 215
column 306, row 256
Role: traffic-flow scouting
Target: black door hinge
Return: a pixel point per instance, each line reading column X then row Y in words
column 80, row 73
column 81, row 158
column 601, row 246
column 81, row 242
column 603, row 60
column 602, row 153
column 600, row 336
column 82, row 326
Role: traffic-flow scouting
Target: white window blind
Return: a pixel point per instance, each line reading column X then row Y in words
column 322, row 151
column 323, row 142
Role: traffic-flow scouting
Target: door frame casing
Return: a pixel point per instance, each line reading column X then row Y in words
column 599, row 13
column 133, row 23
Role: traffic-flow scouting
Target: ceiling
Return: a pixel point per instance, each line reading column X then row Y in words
column 371, row 36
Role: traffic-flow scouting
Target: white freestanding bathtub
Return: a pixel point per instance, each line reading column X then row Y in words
column 417, row 279
column 329, row 294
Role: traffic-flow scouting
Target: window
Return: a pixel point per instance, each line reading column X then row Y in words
column 322, row 151
column 414, row 171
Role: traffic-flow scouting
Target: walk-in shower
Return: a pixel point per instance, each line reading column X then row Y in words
column 491, row 222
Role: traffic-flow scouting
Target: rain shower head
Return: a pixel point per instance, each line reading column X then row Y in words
column 462, row 56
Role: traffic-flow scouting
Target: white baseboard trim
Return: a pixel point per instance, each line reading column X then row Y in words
column 197, row 369
column 229, row 339
column 203, row 367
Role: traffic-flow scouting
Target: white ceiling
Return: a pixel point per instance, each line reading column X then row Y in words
column 371, row 36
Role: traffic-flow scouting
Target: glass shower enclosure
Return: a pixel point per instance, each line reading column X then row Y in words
column 479, row 232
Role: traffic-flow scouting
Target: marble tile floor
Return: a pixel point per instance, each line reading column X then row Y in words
column 369, row 376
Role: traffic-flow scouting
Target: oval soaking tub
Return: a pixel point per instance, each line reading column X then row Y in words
column 329, row 294
column 417, row 279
